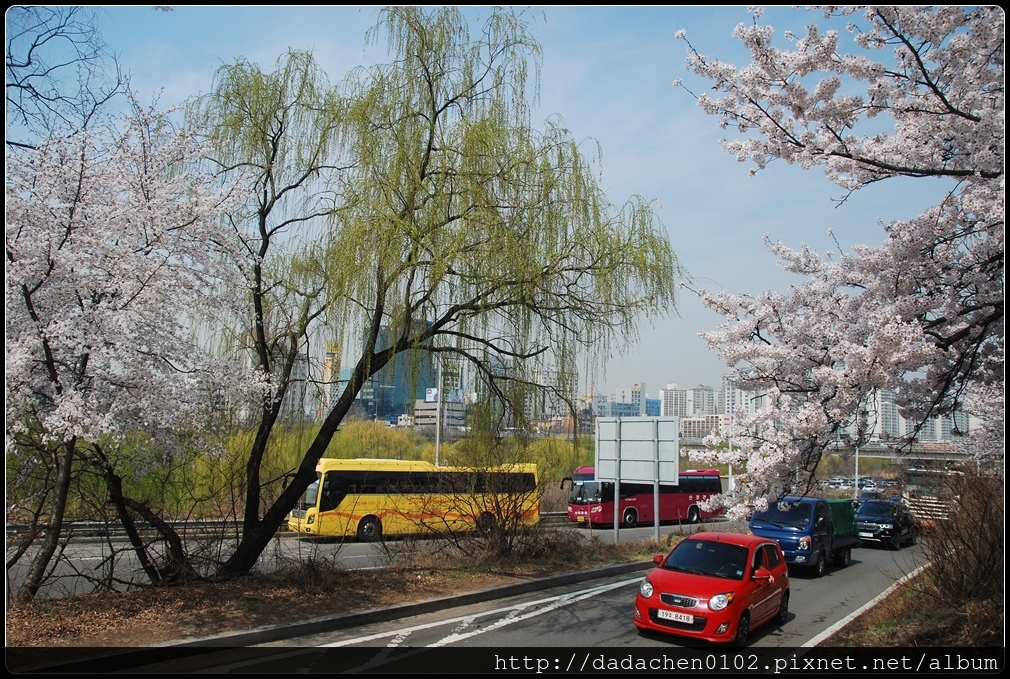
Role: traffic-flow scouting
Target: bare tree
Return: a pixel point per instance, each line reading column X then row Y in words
column 59, row 72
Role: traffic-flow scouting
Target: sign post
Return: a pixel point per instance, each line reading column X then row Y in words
column 637, row 450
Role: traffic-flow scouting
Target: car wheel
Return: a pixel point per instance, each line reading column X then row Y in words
column 844, row 558
column 694, row 515
column 894, row 544
column 783, row 609
column 742, row 631
column 630, row 519
column 822, row 566
column 370, row 529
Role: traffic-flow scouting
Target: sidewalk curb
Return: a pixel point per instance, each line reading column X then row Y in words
column 266, row 634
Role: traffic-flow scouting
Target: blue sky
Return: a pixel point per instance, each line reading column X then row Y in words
column 608, row 72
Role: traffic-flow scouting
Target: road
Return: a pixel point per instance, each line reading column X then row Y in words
column 585, row 624
column 87, row 561
column 599, row 613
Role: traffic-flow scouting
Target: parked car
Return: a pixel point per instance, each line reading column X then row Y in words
column 886, row 523
column 716, row 587
column 865, row 496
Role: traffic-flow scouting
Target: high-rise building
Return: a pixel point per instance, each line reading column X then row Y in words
column 634, row 395
column 673, row 401
column 394, row 388
column 293, row 405
column 332, row 385
column 701, row 401
column 890, row 418
column 699, row 426
column 550, row 397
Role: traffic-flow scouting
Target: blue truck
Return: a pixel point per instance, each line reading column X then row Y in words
column 810, row 530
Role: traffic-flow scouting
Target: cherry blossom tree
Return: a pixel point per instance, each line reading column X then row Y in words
column 114, row 254
column 919, row 93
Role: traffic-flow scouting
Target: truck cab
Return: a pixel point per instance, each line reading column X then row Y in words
column 810, row 531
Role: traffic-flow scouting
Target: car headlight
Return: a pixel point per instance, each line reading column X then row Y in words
column 887, row 526
column 720, row 601
column 804, row 543
column 645, row 589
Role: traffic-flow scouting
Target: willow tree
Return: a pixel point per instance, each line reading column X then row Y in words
column 276, row 133
column 462, row 230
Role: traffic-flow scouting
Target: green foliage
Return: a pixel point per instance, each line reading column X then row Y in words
column 844, row 467
column 371, row 439
column 555, row 458
column 419, row 202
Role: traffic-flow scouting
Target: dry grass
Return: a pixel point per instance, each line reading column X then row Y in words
column 913, row 616
column 152, row 616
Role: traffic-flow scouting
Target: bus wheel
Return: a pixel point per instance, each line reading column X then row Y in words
column 486, row 523
column 694, row 515
column 370, row 529
column 630, row 519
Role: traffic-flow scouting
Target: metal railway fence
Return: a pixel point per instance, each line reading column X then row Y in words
column 102, row 529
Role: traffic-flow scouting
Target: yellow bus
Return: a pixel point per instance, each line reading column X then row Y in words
column 368, row 498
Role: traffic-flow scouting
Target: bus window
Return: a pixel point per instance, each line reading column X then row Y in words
column 335, row 489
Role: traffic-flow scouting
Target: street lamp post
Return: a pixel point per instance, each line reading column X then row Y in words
column 860, row 433
column 732, row 424
column 438, row 413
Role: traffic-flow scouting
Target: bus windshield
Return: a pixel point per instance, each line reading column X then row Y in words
column 310, row 495
column 584, row 492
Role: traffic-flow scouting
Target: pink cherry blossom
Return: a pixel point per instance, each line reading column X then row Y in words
column 920, row 314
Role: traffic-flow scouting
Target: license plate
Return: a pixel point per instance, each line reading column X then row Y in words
column 866, row 535
column 686, row 618
column 580, row 518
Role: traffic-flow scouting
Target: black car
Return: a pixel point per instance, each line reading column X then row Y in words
column 865, row 496
column 886, row 523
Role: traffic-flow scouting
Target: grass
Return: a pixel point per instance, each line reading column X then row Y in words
column 914, row 616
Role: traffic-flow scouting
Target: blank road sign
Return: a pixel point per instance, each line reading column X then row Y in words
column 636, row 443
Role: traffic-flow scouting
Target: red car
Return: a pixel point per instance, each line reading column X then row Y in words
column 716, row 587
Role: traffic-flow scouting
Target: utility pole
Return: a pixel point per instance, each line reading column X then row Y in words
column 438, row 412
column 732, row 424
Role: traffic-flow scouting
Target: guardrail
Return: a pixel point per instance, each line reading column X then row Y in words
column 100, row 528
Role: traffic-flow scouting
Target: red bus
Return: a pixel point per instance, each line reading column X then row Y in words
column 591, row 502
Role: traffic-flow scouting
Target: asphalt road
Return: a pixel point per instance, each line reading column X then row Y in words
column 85, row 562
column 554, row 620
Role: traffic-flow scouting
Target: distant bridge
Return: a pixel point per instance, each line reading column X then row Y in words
column 917, row 452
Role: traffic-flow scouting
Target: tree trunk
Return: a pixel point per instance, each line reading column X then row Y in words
column 37, row 571
column 255, row 539
column 115, row 487
column 176, row 566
